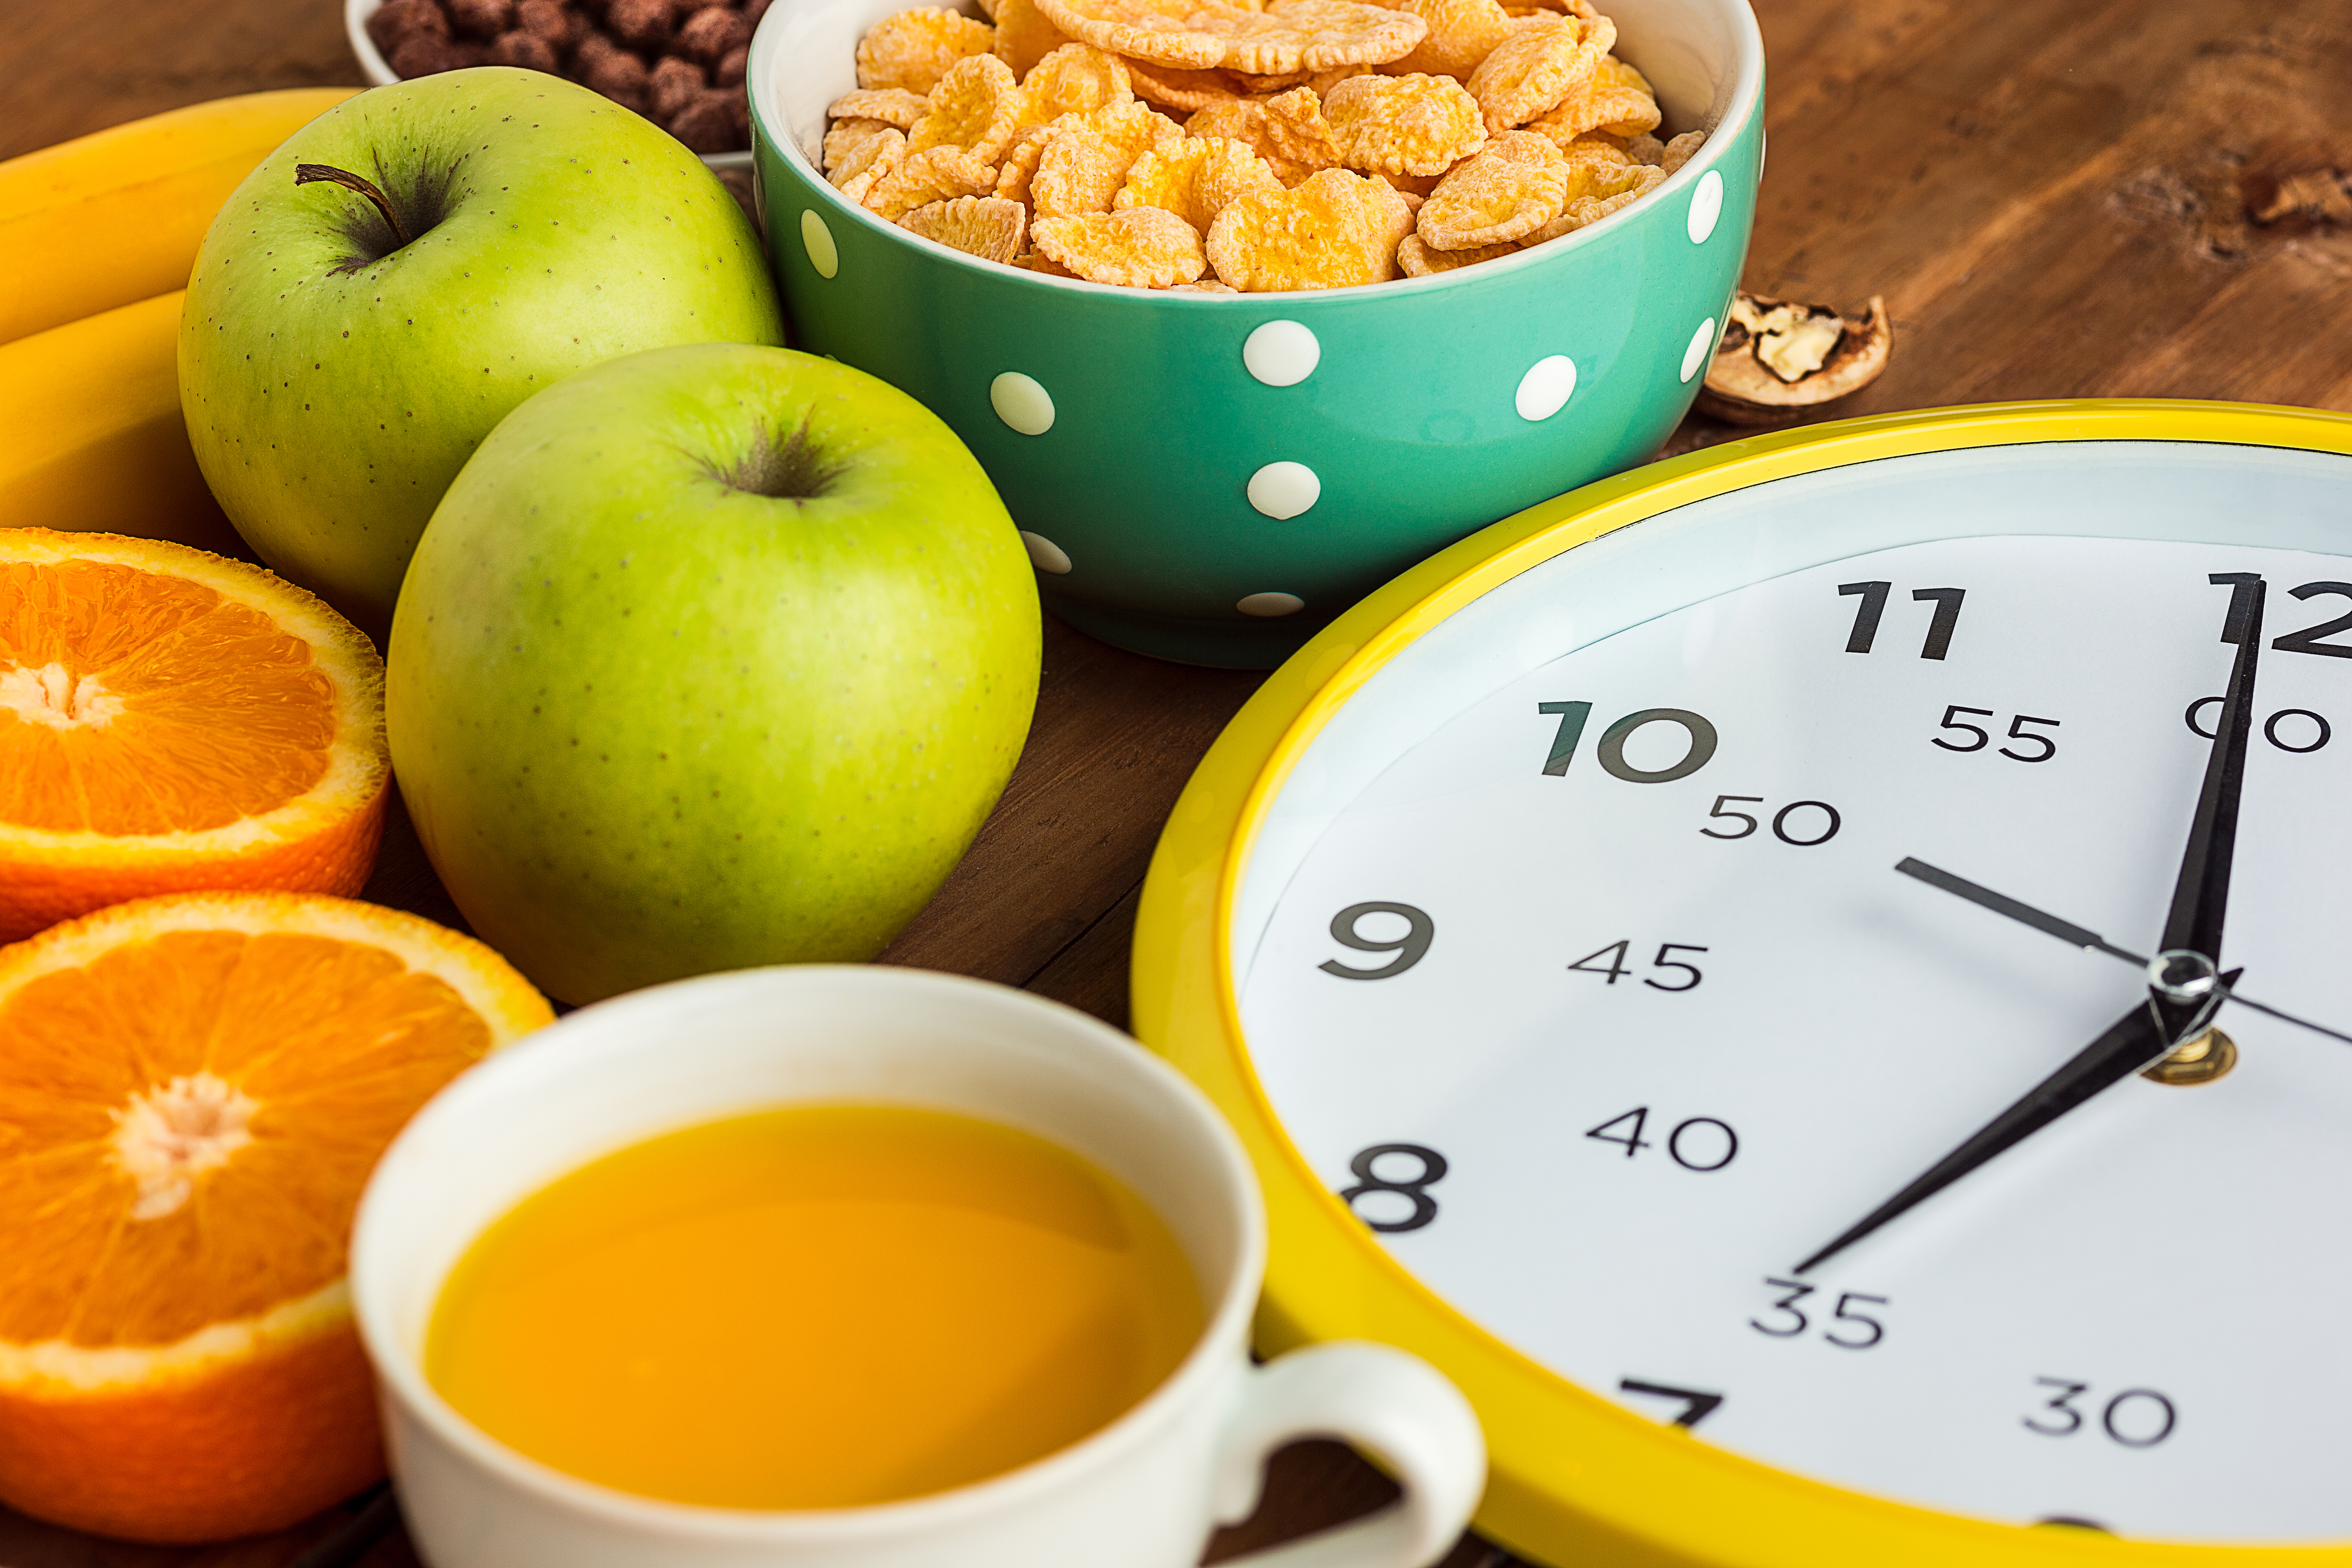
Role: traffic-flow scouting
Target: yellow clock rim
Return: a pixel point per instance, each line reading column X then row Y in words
column 1574, row 1478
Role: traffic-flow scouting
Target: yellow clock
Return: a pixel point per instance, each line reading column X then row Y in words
column 1811, row 980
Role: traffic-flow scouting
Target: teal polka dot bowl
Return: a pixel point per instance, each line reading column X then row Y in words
column 1211, row 478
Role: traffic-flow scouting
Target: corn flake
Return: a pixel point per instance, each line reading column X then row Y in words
column 871, row 160
column 1289, row 36
column 1086, row 157
column 1076, row 79
column 1336, row 228
column 1195, row 178
column 1414, row 186
column 1019, row 166
column 1139, row 248
column 893, row 106
column 1596, row 193
column 1187, row 91
column 1462, row 33
column 990, row 227
column 1678, row 151
column 1404, row 124
column 1616, row 103
column 1540, row 63
column 1317, row 35
column 1025, row 35
column 1288, row 131
column 1414, row 254
column 977, row 106
column 1033, row 261
column 846, row 137
column 1157, row 33
column 1645, row 149
column 913, row 49
column 1510, row 190
column 938, row 174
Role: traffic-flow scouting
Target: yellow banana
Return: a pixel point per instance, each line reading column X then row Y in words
column 115, row 216
column 95, row 439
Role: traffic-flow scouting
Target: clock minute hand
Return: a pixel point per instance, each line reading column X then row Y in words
column 2129, row 1043
column 2200, row 896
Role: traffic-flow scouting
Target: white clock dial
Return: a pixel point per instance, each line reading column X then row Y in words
column 1573, row 953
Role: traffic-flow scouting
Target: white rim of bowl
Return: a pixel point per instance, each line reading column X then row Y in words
column 1746, row 104
column 379, row 73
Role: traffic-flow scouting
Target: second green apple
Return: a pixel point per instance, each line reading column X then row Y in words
column 712, row 657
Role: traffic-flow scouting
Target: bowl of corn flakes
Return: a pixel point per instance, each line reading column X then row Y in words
column 1248, row 305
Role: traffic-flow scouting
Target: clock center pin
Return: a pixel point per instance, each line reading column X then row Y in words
column 2190, row 979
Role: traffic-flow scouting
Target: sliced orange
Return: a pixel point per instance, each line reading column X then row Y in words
column 193, row 1091
column 171, row 719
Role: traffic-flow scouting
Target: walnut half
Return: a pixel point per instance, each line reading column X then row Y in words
column 1779, row 359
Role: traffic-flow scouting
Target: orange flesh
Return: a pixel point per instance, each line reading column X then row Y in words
column 182, row 710
column 814, row 1307
column 269, row 1018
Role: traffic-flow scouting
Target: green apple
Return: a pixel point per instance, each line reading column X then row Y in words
column 711, row 656
column 336, row 373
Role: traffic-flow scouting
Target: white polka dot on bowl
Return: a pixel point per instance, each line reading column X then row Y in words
column 1269, row 605
column 1024, row 405
column 1044, row 555
column 1705, row 207
column 1282, row 354
column 1701, row 341
column 1285, row 490
column 1544, row 391
column 817, row 240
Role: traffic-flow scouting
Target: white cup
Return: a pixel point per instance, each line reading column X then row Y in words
column 1143, row 1491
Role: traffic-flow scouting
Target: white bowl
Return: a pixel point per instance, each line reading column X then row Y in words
column 379, row 72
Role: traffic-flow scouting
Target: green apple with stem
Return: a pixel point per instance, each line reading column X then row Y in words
column 711, row 656
column 409, row 267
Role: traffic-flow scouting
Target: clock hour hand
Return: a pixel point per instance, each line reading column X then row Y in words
column 2002, row 904
column 2080, row 936
column 2134, row 1041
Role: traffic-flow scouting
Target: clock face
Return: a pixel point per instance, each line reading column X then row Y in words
column 1572, row 954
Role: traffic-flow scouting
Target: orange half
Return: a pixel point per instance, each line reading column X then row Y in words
column 193, row 1091
column 171, row 719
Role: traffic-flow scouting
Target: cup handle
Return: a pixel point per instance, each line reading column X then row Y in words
column 1379, row 1398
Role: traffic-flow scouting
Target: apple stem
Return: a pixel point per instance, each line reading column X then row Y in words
column 306, row 173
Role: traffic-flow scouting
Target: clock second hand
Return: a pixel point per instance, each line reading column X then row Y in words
column 2193, row 921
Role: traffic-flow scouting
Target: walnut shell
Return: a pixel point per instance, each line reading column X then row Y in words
column 1779, row 360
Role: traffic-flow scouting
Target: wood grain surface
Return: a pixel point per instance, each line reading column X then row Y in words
column 2057, row 198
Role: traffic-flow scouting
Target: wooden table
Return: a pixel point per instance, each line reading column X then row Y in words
column 2058, row 198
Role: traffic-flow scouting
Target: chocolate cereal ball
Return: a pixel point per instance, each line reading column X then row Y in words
column 640, row 24
column 483, row 19
column 527, row 50
column 672, row 86
column 731, row 69
column 547, row 19
column 619, row 75
column 707, row 124
column 709, row 33
column 398, row 21
column 422, row 54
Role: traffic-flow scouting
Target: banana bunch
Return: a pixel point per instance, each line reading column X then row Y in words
column 96, row 239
